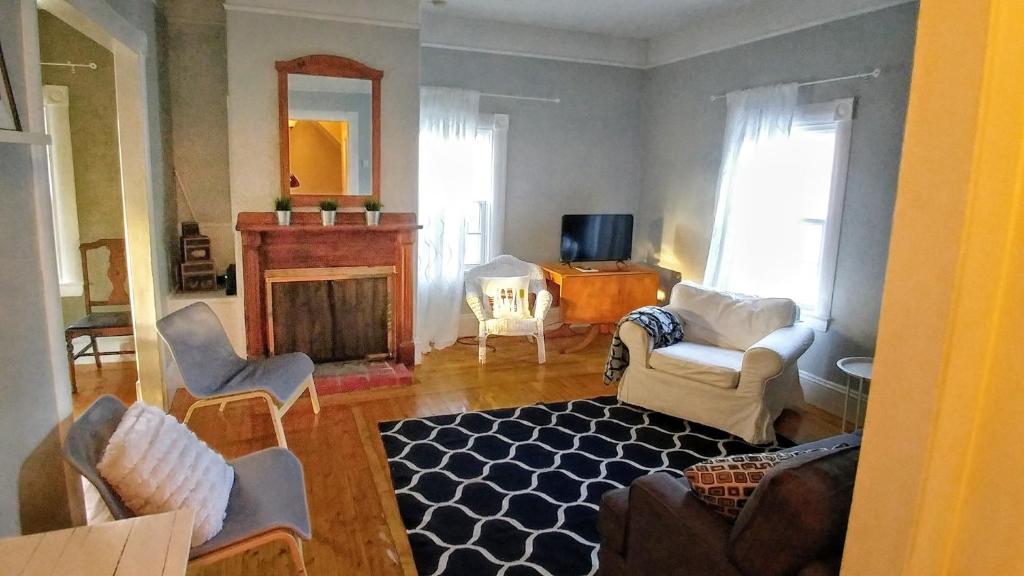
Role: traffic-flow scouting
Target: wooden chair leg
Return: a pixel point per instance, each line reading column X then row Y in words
column 96, row 352
column 295, row 548
column 71, row 365
column 191, row 409
column 290, row 539
column 313, row 396
column 275, row 416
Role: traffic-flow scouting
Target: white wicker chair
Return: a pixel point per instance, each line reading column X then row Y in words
column 508, row 266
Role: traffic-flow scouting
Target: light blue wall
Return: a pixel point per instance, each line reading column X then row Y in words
column 581, row 155
column 683, row 147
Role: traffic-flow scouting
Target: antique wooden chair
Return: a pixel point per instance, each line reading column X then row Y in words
column 101, row 324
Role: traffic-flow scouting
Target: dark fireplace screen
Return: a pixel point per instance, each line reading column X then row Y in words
column 332, row 320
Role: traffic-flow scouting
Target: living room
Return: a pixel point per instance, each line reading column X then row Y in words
column 505, row 327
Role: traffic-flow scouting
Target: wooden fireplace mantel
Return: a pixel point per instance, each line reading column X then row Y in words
column 307, row 244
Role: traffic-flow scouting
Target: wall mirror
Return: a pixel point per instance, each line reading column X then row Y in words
column 329, row 122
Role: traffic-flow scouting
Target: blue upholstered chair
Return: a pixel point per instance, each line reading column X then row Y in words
column 214, row 374
column 267, row 501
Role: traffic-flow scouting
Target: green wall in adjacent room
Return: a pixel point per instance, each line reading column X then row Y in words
column 93, row 115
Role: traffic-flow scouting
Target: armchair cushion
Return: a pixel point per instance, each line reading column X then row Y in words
column 727, row 320
column 718, row 367
column 511, row 326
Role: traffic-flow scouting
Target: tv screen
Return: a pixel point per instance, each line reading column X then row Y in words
column 597, row 237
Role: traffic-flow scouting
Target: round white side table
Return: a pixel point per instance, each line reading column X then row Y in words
column 856, row 368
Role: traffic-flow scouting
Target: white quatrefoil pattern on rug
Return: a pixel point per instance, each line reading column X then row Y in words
column 515, row 492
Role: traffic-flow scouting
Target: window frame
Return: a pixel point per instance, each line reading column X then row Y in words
column 838, row 114
column 60, row 171
column 492, row 224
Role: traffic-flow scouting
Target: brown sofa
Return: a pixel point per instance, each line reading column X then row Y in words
column 794, row 523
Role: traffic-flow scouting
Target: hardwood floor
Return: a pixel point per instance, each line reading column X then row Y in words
column 115, row 378
column 356, row 526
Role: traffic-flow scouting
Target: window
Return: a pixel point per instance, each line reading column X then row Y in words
column 781, row 233
column 485, row 211
column 62, row 190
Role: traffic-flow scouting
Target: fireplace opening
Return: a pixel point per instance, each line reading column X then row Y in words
column 332, row 314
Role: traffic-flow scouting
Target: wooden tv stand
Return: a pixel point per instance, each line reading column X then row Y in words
column 599, row 298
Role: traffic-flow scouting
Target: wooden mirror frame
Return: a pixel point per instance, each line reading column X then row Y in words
column 338, row 67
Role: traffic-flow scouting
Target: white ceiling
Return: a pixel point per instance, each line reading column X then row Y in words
column 628, row 18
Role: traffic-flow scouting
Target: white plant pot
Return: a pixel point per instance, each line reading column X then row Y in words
column 372, row 218
column 284, row 217
column 327, row 217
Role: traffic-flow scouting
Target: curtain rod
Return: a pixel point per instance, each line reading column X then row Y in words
column 530, row 98
column 873, row 74
column 68, row 64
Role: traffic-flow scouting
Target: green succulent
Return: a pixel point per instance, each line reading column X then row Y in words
column 328, row 205
column 283, row 204
column 372, row 205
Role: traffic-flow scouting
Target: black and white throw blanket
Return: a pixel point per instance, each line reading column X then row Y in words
column 661, row 325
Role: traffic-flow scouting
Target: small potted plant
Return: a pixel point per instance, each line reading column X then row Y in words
column 328, row 211
column 283, row 208
column 372, row 206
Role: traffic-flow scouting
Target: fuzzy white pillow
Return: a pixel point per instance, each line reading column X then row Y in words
column 156, row 464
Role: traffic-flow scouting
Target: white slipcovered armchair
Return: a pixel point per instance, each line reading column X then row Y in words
column 506, row 266
column 735, row 370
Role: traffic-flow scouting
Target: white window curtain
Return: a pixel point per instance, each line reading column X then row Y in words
column 62, row 190
column 448, row 127
column 757, row 231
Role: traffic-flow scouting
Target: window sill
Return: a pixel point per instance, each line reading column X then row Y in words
column 815, row 323
column 72, row 290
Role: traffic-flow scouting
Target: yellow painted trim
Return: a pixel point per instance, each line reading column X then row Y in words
column 136, row 184
column 939, row 487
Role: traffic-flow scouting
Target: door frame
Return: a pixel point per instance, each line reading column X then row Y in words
column 131, row 50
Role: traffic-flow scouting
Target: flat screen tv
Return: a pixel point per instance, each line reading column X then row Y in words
column 597, row 237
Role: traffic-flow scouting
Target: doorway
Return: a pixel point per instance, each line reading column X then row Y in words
column 121, row 195
column 83, row 161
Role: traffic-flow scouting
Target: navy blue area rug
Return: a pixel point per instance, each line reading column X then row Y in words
column 516, row 491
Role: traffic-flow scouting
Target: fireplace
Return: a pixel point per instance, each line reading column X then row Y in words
column 331, row 314
column 337, row 293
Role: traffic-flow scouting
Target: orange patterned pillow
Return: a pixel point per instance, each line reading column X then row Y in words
column 726, row 483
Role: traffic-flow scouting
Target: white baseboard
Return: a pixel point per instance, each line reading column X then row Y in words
column 468, row 325
column 107, row 344
column 829, row 396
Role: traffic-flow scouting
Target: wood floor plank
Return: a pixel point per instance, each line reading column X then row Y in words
column 17, row 552
column 45, row 556
column 179, row 544
column 146, row 546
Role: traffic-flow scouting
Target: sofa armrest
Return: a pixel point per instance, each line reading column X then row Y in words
column 542, row 304
column 770, row 355
column 671, row 532
column 796, row 520
column 637, row 341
